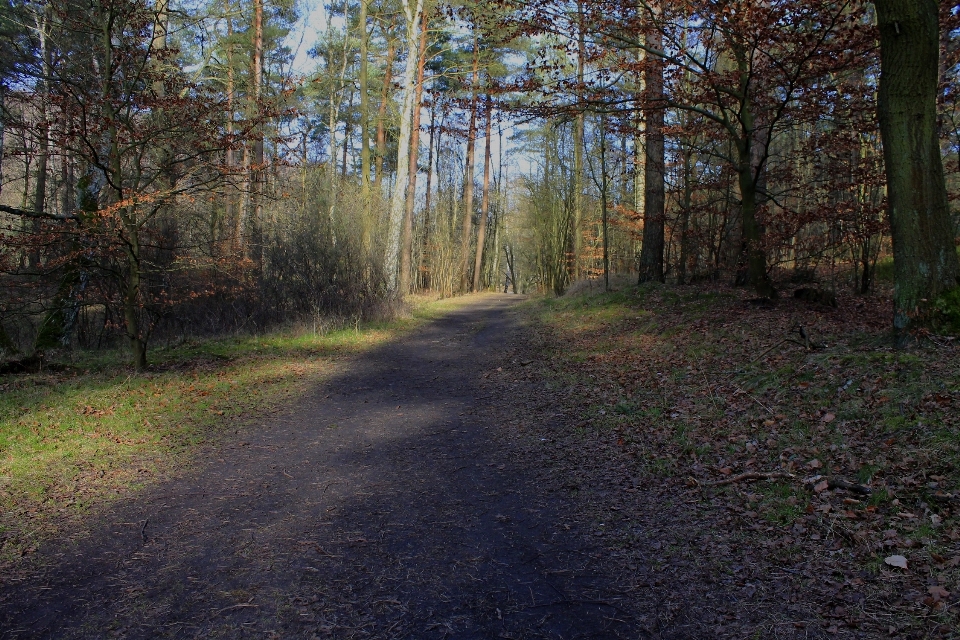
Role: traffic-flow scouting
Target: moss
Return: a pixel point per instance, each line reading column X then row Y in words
column 947, row 312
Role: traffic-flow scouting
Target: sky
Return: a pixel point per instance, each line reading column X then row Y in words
column 304, row 35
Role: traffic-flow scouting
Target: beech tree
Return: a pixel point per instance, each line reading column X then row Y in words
column 924, row 247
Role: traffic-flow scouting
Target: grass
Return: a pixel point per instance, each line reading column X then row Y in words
column 74, row 440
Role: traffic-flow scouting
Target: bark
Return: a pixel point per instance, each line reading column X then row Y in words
column 685, row 205
column 412, row 14
column 406, row 256
column 467, row 230
column 382, row 113
column 576, row 241
column 924, row 252
column 752, row 238
column 364, row 102
column 229, row 195
column 2, row 120
column 603, row 201
column 424, row 267
column 485, row 201
column 43, row 142
column 651, row 253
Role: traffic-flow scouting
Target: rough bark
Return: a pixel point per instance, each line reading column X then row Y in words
column 485, row 200
column 467, row 228
column 424, row 267
column 603, row 201
column 364, row 102
column 924, row 252
column 651, row 253
column 579, row 126
column 406, row 255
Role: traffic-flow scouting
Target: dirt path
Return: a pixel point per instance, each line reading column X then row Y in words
column 387, row 504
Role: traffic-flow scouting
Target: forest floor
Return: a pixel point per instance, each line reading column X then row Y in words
column 548, row 470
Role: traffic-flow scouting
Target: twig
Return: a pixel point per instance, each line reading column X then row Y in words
column 751, row 396
column 143, row 529
column 245, row 605
column 749, row 475
column 768, row 350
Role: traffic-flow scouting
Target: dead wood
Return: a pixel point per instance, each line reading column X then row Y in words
column 749, row 475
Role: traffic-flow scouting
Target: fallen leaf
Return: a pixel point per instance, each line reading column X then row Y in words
column 939, row 593
column 822, row 486
column 896, row 561
column 828, row 418
column 814, row 464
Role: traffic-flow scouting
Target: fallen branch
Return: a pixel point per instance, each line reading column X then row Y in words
column 749, row 475
column 839, row 483
column 33, row 214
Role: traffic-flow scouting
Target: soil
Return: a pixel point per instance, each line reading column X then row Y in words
column 423, row 491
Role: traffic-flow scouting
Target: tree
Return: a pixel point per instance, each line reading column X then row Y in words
column 924, row 248
column 413, row 12
column 143, row 136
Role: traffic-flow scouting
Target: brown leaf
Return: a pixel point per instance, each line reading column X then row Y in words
column 828, row 418
column 939, row 593
column 896, row 561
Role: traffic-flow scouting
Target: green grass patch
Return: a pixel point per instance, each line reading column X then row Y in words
column 71, row 441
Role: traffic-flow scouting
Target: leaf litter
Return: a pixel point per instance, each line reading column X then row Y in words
column 823, row 481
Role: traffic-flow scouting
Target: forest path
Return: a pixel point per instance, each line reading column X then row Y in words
column 388, row 503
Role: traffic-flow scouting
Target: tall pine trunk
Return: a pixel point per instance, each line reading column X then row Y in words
column 651, row 253
column 467, row 229
column 364, row 102
column 485, row 202
column 406, row 255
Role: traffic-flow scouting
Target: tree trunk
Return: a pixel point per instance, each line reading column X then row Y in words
column 651, row 253
column 467, row 230
column 424, row 267
column 924, row 253
column 603, row 201
column 406, row 255
column 382, row 113
column 2, row 120
column 412, row 14
column 685, row 205
column 229, row 203
column 485, row 201
column 255, row 166
column 579, row 126
column 752, row 241
column 364, row 102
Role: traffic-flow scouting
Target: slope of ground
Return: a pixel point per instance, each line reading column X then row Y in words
column 679, row 399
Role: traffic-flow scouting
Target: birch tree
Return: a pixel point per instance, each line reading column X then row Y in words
column 412, row 13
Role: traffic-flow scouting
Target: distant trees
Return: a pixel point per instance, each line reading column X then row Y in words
column 163, row 172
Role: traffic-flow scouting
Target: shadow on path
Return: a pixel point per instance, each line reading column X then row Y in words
column 384, row 504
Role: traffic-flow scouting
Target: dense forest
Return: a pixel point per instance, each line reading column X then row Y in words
column 166, row 172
